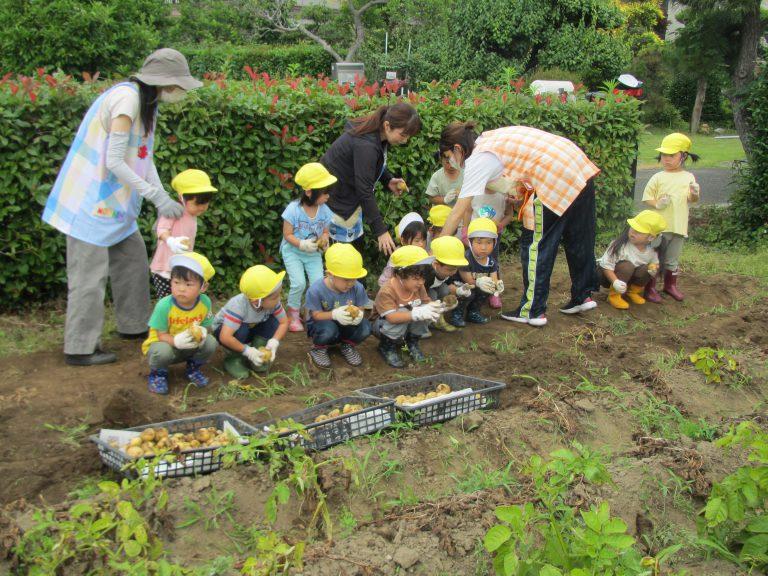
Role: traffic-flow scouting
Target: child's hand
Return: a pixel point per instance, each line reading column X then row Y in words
column 178, row 244
column 663, row 202
column 184, row 341
column 451, row 196
column 342, row 316
column 620, row 286
column 464, row 291
column 308, row 245
column 486, row 284
column 653, row 269
column 272, row 345
column 253, row 355
column 499, row 288
column 694, row 192
column 426, row 312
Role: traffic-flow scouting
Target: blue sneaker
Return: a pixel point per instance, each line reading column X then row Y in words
column 158, row 381
column 195, row 375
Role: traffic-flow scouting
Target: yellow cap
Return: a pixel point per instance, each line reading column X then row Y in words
column 410, row 256
column 648, row 222
column 198, row 263
column 482, row 228
column 259, row 282
column 438, row 214
column 449, row 250
column 192, row 182
column 674, row 143
column 313, row 176
column 344, row 261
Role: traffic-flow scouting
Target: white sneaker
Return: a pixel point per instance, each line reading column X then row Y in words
column 538, row 321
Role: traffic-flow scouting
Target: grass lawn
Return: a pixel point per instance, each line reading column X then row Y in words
column 715, row 153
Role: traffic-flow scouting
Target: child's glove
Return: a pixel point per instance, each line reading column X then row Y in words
column 499, row 288
column 178, row 244
column 272, row 345
column 427, row 312
column 343, row 317
column 486, row 284
column 308, row 245
column 653, row 269
column 464, row 291
column 253, row 355
column 663, row 202
column 694, row 192
column 619, row 286
column 184, row 341
column 451, row 196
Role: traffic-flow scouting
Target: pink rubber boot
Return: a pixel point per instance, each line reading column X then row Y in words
column 295, row 325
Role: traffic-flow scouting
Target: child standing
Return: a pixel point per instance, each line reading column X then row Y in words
column 335, row 305
column 670, row 192
column 630, row 263
column 252, row 323
column 306, row 222
column 438, row 214
column 177, row 235
column 448, row 252
column 410, row 232
column 177, row 328
column 445, row 184
column 403, row 309
column 482, row 273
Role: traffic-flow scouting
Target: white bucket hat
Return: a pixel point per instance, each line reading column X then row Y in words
column 167, row 67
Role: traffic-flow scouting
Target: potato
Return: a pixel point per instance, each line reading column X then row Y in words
column 321, row 418
column 334, row 413
column 135, row 441
column 203, row 435
column 322, row 242
column 353, row 311
column 401, row 399
column 194, row 444
column 402, row 186
column 450, row 300
column 147, row 435
column 161, row 433
column 149, row 453
column 431, row 395
column 443, row 388
column 266, row 354
column 134, row 452
column 196, row 333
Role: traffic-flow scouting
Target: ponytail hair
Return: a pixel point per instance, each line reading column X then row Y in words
column 401, row 116
column 619, row 243
column 461, row 133
column 148, row 98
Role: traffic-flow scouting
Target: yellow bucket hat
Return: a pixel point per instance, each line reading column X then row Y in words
column 198, row 263
column 674, row 143
column 192, row 182
column 259, row 282
column 314, row 176
column 438, row 215
column 648, row 222
column 344, row 261
column 410, row 256
column 449, row 250
column 482, row 228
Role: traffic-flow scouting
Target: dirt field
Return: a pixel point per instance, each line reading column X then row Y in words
column 425, row 497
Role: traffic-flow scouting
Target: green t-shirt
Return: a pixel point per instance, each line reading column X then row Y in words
column 169, row 317
column 440, row 185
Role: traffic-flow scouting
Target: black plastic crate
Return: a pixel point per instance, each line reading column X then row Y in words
column 186, row 463
column 484, row 394
column 375, row 415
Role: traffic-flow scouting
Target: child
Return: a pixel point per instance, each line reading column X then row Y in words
column 305, row 231
column 177, row 328
column 252, row 323
column 630, row 263
column 438, row 214
column 448, row 252
column 177, row 235
column 328, row 302
column 445, row 184
column 410, row 232
column 403, row 310
column 669, row 192
column 482, row 273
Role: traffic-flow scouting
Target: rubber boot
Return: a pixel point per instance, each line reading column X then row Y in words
column 195, row 375
column 390, row 351
column 295, row 324
column 457, row 314
column 634, row 294
column 412, row 342
column 473, row 312
column 615, row 300
column 237, row 366
column 442, row 324
column 651, row 294
column 158, row 381
column 670, row 285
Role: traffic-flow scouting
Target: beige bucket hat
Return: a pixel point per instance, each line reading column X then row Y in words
column 167, row 67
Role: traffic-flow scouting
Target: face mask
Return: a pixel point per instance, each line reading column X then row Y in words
column 454, row 163
column 173, row 95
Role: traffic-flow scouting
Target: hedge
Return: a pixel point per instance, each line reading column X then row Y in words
column 251, row 136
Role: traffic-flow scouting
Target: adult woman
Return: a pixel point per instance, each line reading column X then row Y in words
column 560, row 205
column 358, row 159
column 96, row 201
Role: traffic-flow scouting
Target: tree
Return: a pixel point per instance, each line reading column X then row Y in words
column 281, row 16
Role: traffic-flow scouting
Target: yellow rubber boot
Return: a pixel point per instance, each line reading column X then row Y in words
column 615, row 300
column 635, row 294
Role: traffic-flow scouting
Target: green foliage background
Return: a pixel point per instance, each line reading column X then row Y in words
column 250, row 137
column 301, row 58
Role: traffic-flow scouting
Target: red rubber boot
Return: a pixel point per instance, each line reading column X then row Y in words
column 670, row 285
column 651, row 294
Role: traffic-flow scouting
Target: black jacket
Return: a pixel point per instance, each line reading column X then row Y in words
column 358, row 162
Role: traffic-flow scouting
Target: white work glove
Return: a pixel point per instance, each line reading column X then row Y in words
column 253, row 355
column 272, row 345
column 464, row 291
column 426, row 312
column 694, row 191
column 184, row 341
column 178, row 244
column 308, row 245
column 341, row 316
column 486, row 284
column 447, row 308
column 499, row 288
column 451, row 196
column 619, row 286
column 663, row 202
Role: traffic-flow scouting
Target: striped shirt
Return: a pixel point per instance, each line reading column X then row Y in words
column 239, row 310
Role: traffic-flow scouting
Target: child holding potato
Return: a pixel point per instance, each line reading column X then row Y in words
column 177, row 327
column 335, row 305
column 177, row 235
column 449, row 257
column 251, row 324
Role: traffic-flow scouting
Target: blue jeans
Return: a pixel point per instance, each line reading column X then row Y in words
column 328, row 332
column 300, row 264
column 538, row 250
column 246, row 334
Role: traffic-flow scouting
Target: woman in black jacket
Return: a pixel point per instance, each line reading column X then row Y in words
column 358, row 159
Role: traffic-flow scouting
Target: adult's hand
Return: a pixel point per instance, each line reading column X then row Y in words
column 386, row 244
column 457, row 213
column 394, row 186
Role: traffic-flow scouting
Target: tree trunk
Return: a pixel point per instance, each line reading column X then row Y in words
column 744, row 73
column 698, row 105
